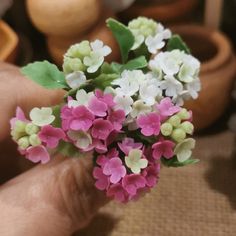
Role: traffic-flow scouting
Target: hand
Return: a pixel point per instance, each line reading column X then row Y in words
column 53, row 199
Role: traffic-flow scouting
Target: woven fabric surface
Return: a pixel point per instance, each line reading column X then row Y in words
column 198, row 200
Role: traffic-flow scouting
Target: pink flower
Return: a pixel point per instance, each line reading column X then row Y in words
column 118, row 192
column 37, row 154
column 19, row 116
column 115, row 169
column 149, row 124
column 101, row 129
column 167, row 108
column 102, row 182
column 51, row 136
column 82, row 119
column 129, row 144
column 106, row 98
column 99, row 146
column 151, row 175
column 66, row 116
column 131, row 183
column 117, row 118
column 103, row 159
column 97, row 107
column 163, row 148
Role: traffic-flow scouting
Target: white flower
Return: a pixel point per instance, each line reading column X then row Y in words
column 180, row 98
column 166, row 33
column 129, row 82
column 82, row 98
column 82, row 139
column 123, row 102
column 75, row 79
column 41, row 116
column 154, row 43
column 139, row 108
column 186, row 73
column 171, row 86
column 138, row 39
column 93, row 61
column 193, row 88
column 183, row 150
column 156, row 68
column 98, row 47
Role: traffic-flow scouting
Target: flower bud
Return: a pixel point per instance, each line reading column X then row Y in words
column 184, row 114
column 34, row 140
column 187, row 127
column 174, row 120
column 23, row 142
column 31, row 128
column 72, row 64
column 178, row 135
column 19, row 126
column 166, row 129
column 79, row 50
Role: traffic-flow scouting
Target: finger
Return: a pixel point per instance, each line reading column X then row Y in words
column 63, row 189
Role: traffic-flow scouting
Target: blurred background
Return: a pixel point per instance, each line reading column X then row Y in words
column 198, row 200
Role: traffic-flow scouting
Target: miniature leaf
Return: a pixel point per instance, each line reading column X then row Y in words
column 137, row 63
column 68, row 149
column 176, row 42
column 45, row 74
column 173, row 162
column 103, row 80
column 56, row 110
column 123, row 36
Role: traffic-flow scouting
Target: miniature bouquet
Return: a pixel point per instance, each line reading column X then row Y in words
column 128, row 115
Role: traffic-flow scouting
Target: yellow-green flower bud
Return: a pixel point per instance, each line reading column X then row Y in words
column 174, row 120
column 79, row 50
column 187, row 127
column 72, row 64
column 178, row 135
column 23, row 142
column 34, row 140
column 184, row 114
column 19, row 126
column 15, row 135
column 30, row 128
column 166, row 129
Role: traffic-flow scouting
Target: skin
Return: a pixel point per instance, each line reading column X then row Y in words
column 57, row 198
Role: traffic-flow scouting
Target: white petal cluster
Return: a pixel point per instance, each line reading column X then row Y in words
column 82, row 98
column 178, row 73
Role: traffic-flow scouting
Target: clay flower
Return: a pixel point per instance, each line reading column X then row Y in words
column 123, row 103
column 81, row 139
column 183, row 150
column 135, row 161
column 151, row 175
column 163, row 148
column 139, row 108
column 118, row 192
column 117, row 118
column 149, row 124
column 37, row 154
column 107, row 98
column 82, row 98
column 167, row 108
column 101, row 129
column 128, row 144
column 97, row 107
column 41, row 116
column 75, row 79
column 82, row 119
column 51, row 136
column 115, row 169
column 19, row 116
column 102, row 181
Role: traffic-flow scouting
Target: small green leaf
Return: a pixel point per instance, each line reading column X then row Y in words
column 116, row 67
column 45, row 74
column 68, row 149
column 137, row 63
column 103, row 80
column 56, row 111
column 176, row 42
column 173, row 162
column 123, row 36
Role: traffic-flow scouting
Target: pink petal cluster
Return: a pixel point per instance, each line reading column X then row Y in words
column 163, row 148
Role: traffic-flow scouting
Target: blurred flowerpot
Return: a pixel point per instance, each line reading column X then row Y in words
column 218, row 70
column 161, row 10
column 57, row 46
column 8, row 43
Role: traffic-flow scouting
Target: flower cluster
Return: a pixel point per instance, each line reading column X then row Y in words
column 128, row 115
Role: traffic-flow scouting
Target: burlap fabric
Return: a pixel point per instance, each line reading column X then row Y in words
column 198, row 200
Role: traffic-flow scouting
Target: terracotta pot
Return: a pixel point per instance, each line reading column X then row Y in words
column 58, row 46
column 8, row 43
column 64, row 18
column 218, row 70
column 161, row 10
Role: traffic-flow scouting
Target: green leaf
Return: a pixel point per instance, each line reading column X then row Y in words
column 68, row 149
column 123, row 36
column 56, row 111
column 116, row 67
column 103, row 80
column 45, row 74
column 176, row 42
column 137, row 63
column 173, row 162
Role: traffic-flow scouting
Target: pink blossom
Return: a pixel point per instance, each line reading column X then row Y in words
column 163, row 148
column 51, row 136
column 131, row 183
column 37, row 154
column 106, row 98
column 66, row 116
column 103, row 159
column 117, row 118
column 129, row 144
column 115, row 169
column 99, row 146
column 149, row 124
column 101, row 129
column 151, row 174
column 118, row 192
column 19, row 116
column 102, row 182
column 111, row 137
column 97, row 107
column 167, row 108
column 82, row 119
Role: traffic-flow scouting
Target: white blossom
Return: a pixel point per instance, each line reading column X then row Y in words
column 93, row 61
column 75, row 79
column 82, row 98
column 123, row 102
column 193, row 88
column 98, row 47
column 139, row 108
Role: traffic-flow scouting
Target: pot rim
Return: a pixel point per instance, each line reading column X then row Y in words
column 220, row 41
